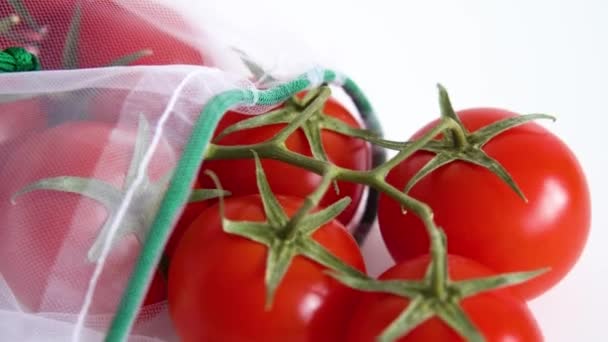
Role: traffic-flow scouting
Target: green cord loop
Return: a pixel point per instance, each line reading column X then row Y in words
column 15, row 59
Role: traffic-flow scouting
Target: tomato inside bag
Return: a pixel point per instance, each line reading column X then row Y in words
column 88, row 146
column 91, row 137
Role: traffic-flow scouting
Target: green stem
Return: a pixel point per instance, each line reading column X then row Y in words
column 420, row 209
column 290, row 229
column 438, row 268
column 314, row 106
column 312, row 93
column 459, row 137
column 265, row 150
column 456, row 134
column 370, row 178
column 382, row 170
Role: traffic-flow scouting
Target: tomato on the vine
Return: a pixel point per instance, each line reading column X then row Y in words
column 482, row 216
column 238, row 176
column 217, row 289
column 47, row 234
column 498, row 315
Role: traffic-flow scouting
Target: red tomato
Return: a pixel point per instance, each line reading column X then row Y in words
column 20, row 117
column 217, row 291
column 46, row 234
column 17, row 120
column 108, row 31
column 498, row 315
column 484, row 219
column 122, row 107
column 238, row 176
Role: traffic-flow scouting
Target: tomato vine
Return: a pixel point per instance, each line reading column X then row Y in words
column 435, row 295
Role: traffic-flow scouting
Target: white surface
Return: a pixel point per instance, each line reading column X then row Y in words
column 528, row 56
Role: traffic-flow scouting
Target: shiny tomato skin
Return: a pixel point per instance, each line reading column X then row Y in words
column 484, row 219
column 238, row 176
column 499, row 315
column 108, row 31
column 45, row 235
column 216, row 283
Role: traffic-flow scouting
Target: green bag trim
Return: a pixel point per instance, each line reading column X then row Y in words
column 180, row 186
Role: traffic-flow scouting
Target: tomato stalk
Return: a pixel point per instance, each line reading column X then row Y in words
column 275, row 149
column 457, row 134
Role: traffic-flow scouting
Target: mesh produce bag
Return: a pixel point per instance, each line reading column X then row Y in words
column 99, row 154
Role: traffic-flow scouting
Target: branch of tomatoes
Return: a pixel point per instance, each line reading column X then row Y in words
column 436, row 295
column 458, row 144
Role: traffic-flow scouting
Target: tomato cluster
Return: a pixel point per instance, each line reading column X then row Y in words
column 489, row 228
column 489, row 213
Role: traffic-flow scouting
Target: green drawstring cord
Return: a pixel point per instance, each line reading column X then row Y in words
column 18, row 59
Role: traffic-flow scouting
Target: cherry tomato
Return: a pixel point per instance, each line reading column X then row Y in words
column 484, row 219
column 46, row 234
column 217, row 291
column 17, row 120
column 108, row 31
column 498, row 315
column 122, row 108
column 238, row 176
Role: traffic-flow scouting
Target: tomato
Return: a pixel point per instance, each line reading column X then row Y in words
column 122, row 108
column 46, row 234
column 217, row 291
column 238, row 176
column 108, row 31
column 498, row 314
column 484, row 219
column 18, row 119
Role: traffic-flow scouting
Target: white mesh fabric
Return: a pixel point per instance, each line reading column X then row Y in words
column 83, row 122
column 45, row 235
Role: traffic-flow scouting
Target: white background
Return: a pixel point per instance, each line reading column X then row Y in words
column 527, row 56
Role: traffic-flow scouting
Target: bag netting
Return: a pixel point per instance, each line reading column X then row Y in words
column 97, row 159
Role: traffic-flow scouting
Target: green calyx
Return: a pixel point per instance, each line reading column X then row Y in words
column 288, row 237
column 458, row 144
column 436, row 295
column 142, row 204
